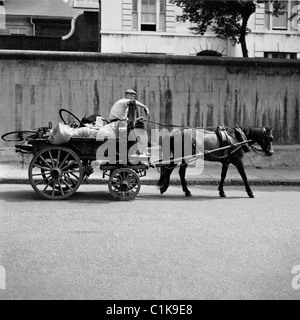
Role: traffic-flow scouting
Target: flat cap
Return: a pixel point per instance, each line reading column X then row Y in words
column 130, row 91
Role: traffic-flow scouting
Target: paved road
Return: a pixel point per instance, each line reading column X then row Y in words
column 156, row 247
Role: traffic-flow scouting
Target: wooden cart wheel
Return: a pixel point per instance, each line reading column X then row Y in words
column 56, row 173
column 124, row 184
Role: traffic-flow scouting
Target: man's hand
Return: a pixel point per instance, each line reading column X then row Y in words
column 146, row 111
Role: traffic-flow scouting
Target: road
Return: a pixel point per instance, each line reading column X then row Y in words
column 155, row 247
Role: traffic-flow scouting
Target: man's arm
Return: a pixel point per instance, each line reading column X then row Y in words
column 139, row 104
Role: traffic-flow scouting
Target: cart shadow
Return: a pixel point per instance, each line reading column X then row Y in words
column 79, row 196
column 105, row 197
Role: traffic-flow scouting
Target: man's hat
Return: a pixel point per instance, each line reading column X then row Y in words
column 130, row 91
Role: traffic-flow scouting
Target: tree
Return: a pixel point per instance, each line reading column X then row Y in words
column 227, row 18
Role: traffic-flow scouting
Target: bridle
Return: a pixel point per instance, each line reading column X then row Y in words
column 267, row 137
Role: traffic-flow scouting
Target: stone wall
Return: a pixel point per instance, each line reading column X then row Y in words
column 192, row 91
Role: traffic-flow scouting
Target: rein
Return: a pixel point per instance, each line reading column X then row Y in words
column 177, row 126
column 225, row 156
column 259, row 152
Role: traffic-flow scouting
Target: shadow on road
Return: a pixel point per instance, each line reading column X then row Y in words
column 172, row 197
column 28, row 195
column 104, row 197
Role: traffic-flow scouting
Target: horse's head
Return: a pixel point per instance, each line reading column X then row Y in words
column 265, row 139
column 262, row 136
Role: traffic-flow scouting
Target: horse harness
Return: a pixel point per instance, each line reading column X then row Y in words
column 224, row 140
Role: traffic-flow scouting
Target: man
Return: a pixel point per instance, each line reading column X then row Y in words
column 120, row 108
column 119, row 112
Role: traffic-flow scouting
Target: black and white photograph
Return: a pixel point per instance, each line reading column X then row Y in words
column 149, row 153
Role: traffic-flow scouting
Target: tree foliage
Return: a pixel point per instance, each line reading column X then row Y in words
column 227, row 18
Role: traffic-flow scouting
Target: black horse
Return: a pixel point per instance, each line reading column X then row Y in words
column 208, row 140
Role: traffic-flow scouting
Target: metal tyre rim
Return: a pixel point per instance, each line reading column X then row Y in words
column 19, row 135
column 61, row 111
column 56, row 173
column 124, row 184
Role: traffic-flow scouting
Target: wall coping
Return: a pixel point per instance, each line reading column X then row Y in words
column 143, row 58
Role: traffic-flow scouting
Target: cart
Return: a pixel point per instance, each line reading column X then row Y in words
column 56, row 171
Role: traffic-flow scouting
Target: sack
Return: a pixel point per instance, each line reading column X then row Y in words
column 62, row 133
column 110, row 131
column 85, row 132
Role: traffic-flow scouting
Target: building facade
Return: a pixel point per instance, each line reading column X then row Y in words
column 148, row 27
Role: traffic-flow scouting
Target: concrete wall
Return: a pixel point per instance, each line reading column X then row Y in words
column 190, row 91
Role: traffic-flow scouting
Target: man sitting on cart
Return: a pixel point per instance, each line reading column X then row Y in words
column 119, row 112
column 120, row 108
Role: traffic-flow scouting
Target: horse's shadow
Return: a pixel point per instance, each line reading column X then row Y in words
column 182, row 197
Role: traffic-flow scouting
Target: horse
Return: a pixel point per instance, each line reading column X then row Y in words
column 209, row 141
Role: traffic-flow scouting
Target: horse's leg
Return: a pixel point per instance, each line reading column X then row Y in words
column 240, row 167
column 161, row 180
column 225, row 166
column 182, row 172
column 165, row 179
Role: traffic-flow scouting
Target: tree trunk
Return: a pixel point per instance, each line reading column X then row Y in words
column 243, row 36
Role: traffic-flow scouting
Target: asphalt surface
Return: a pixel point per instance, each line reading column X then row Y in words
column 155, row 247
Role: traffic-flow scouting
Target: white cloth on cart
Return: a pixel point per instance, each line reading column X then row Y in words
column 63, row 133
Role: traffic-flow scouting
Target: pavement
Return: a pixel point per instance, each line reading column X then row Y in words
column 17, row 173
column 283, row 168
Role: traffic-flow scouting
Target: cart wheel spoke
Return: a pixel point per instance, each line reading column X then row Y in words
column 72, row 163
column 41, row 167
column 67, row 185
column 43, row 181
column 61, row 189
column 46, row 162
column 43, row 174
column 64, row 161
column 51, row 158
column 74, row 175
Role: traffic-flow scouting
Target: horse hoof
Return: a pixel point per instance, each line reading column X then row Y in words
column 251, row 195
column 162, row 191
column 223, row 195
column 188, row 194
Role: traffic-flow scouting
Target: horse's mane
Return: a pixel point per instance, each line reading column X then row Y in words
column 252, row 130
column 248, row 130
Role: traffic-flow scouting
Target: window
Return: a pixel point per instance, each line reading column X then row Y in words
column 280, row 55
column 287, row 18
column 149, row 15
column 18, row 31
column 2, row 17
column 91, row 4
